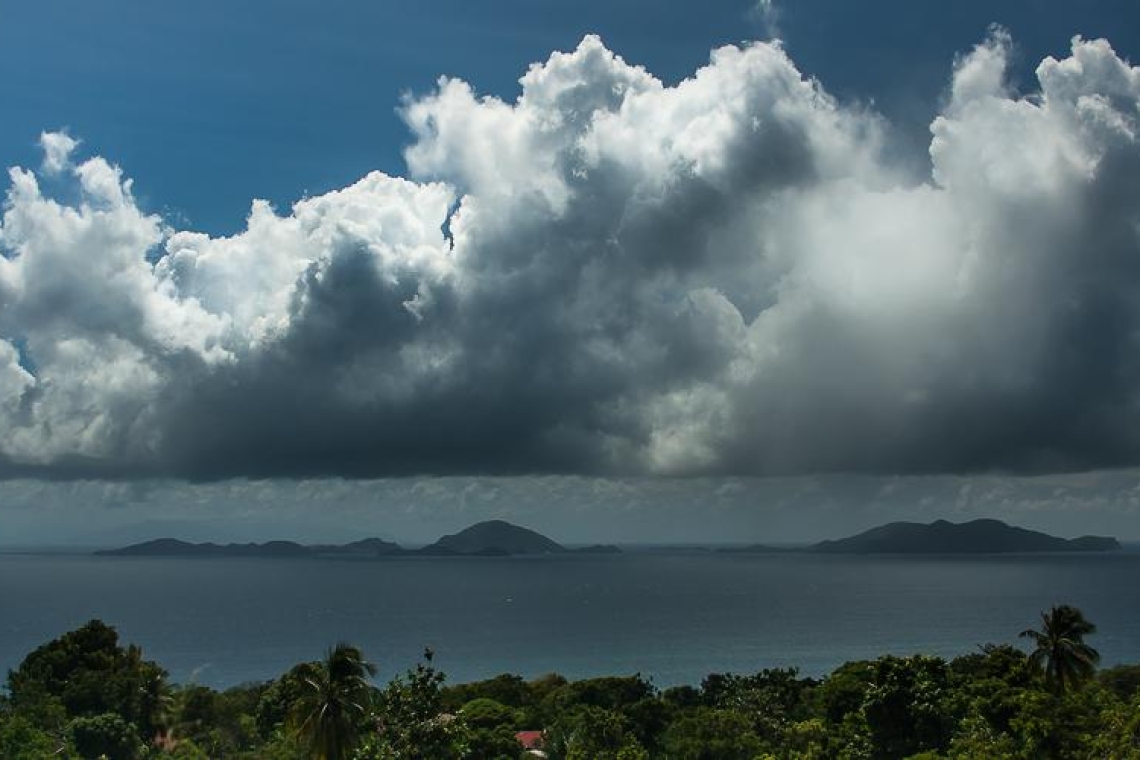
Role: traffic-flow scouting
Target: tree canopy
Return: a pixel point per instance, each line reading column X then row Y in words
column 84, row 695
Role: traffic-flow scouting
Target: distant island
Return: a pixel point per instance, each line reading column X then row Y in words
column 493, row 538
column 172, row 547
column 498, row 538
column 943, row 537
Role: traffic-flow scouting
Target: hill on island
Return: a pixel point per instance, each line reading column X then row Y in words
column 494, row 537
column 973, row 537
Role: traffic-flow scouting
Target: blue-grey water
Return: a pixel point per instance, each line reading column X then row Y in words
column 672, row 616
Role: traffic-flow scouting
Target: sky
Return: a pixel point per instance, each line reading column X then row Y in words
column 754, row 272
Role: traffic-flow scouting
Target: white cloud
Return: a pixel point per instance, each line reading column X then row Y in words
column 727, row 275
column 57, row 147
column 250, row 280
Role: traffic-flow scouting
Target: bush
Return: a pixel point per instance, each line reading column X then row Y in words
column 21, row 740
column 106, row 735
column 712, row 734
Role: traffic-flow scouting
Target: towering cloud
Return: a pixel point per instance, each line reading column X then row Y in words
column 609, row 275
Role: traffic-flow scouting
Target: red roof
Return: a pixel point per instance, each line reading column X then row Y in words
column 530, row 739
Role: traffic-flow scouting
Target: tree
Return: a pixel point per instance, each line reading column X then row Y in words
column 589, row 732
column 492, row 727
column 334, row 702
column 610, row 692
column 506, row 689
column 774, row 699
column 21, row 740
column 106, row 736
column 1059, row 648
column 411, row 720
column 1118, row 731
column 85, row 673
column 988, row 688
column 1122, row 680
column 218, row 724
column 905, row 706
column 708, row 733
column 277, row 701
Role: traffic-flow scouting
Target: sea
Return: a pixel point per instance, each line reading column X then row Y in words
column 674, row 616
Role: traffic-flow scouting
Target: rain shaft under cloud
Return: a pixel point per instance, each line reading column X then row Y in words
column 609, row 275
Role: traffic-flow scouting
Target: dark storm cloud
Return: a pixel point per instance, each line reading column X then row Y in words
column 729, row 276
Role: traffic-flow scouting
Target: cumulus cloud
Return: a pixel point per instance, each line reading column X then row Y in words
column 57, row 147
column 608, row 274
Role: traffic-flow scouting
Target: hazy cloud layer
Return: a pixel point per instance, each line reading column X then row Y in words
column 568, row 508
column 729, row 276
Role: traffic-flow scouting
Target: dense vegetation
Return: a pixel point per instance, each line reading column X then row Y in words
column 85, row 696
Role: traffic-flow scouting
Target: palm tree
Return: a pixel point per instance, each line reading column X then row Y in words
column 334, row 703
column 1060, row 651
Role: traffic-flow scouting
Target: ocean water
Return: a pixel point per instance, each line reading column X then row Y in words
column 674, row 617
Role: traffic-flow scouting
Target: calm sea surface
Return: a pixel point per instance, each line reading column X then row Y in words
column 674, row 617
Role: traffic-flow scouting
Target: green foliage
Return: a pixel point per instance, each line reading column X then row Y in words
column 590, row 732
column 906, row 706
column 487, row 713
column 987, row 692
column 541, row 687
column 188, row 750
column 682, row 697
column 648, row 719
column 843, row 692
column 492, row 744
column 806, row 740
column 977, row 738
column 491, row 728
column 611, row 693
column 1060, row 651
column 85, row 673
column 333, row 703
column 529, row 697
column 774, row 700
column 410, row 721
column 1000, row 662
column 712, row 734
column 276, row 700
column 85, row 696
column 505, row 689
column 20, row 739
column 1122, row 680
column 219, row 724
column 281, row 745
column 106, row 735
column 1118, row 734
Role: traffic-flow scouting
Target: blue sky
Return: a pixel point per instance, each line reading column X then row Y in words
column 210, row 104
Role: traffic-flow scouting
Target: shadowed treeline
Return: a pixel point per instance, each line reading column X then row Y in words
column 84, row 695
